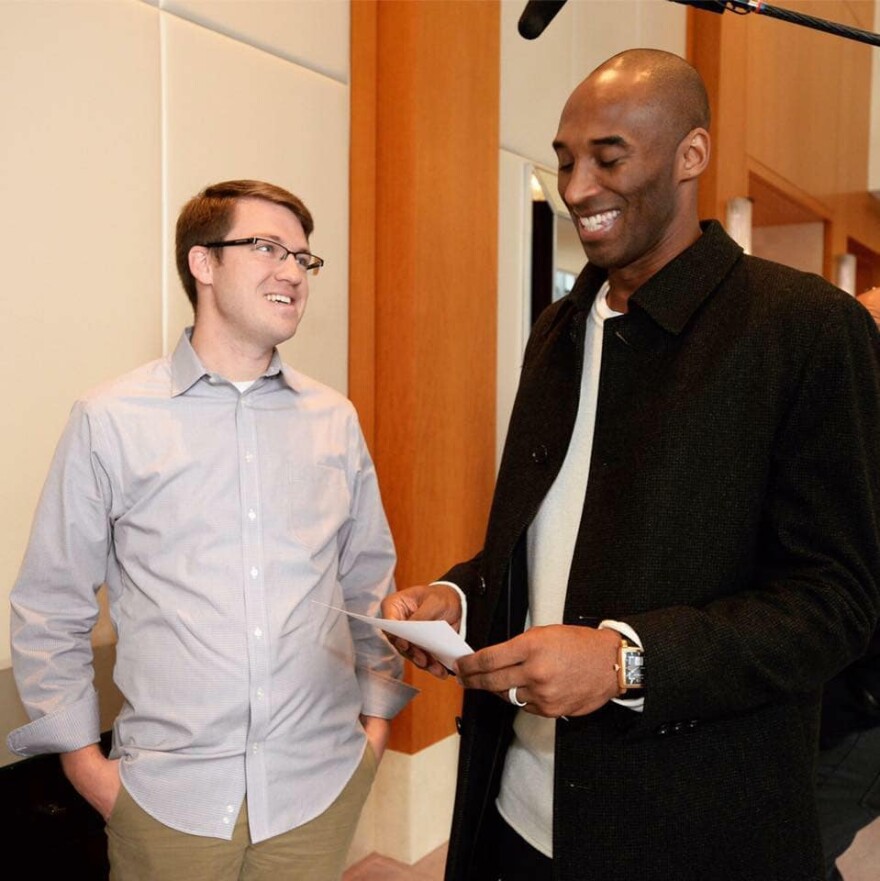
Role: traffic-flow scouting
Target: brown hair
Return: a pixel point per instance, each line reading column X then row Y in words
column 208, row 216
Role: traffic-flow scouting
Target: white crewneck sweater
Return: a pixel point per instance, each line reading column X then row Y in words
column 526, row 797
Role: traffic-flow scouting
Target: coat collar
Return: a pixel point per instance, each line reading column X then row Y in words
column 672, row 295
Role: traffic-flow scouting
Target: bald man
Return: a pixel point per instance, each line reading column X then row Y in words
column 848, row 777
column 683, row 541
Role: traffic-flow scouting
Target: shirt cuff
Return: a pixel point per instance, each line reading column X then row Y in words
column 71, row 728
column 633, row 703
column 383, row 696
column 462, row 626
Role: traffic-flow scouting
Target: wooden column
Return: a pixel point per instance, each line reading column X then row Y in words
column 718, row 50
column 424, row 228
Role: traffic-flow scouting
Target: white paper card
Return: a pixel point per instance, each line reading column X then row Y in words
column 436, row 637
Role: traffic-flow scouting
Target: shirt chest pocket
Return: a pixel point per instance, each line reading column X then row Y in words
column 318, row 504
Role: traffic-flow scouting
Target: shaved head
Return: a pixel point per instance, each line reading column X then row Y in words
column 667, row 83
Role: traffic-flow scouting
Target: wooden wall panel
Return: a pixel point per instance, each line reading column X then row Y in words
column 808, row 96
column 791, row 105
column 424, row 327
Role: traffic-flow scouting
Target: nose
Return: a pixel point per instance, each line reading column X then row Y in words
column 290, row 270
column 578, row 184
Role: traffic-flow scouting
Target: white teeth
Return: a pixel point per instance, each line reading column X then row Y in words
column 278, row 298
column 597, row 222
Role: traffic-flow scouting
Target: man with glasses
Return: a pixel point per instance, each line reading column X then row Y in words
column 227, row 502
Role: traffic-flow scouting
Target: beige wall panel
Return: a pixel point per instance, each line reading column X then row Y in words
column 313, row 33
column 601, row 28
column 514, row 306
column 536, row 78
column 800, row 245
column 538, row 75
column 79, row 233
column 235, row 112
column 793, row 87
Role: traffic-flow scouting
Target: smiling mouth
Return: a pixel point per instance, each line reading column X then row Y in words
column 598, row 222
column 279, row 298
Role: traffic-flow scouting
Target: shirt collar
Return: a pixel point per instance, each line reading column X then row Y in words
column 674, row 293
column 187, row 369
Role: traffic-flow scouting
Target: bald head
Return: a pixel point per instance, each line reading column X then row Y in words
column 871, row 301
column 665, row 83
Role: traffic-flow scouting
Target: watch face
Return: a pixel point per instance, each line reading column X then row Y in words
column 634, row 669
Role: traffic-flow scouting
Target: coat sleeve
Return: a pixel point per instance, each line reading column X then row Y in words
column 814, row 600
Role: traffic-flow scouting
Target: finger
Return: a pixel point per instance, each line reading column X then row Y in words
column 516, row 695
column 438, row 604
column 435, row 668
column 419, row 657
column 495, row 658
column 401, row 645
column 398, row 607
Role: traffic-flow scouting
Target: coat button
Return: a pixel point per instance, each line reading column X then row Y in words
column 481, row 587
column 663, row 730
column 539, row 454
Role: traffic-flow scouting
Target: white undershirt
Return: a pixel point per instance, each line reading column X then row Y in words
column 526, row 797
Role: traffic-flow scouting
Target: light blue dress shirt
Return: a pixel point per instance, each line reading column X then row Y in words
column 215, row 518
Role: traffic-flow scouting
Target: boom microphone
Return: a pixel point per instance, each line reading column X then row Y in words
column 536, row 16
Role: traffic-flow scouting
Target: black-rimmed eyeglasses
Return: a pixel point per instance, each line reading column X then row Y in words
column 273, row 252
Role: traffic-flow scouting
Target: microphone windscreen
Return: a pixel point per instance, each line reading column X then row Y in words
column 536, row 16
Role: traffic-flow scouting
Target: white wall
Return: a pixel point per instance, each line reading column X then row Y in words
column 114, row 113
column 536, row 78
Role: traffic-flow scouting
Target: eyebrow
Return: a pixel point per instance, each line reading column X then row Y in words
column 609, row 141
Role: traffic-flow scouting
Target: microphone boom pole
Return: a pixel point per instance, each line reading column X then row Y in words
column 743, row 7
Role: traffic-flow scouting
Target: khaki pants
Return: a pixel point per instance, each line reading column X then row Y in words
column 143, row 849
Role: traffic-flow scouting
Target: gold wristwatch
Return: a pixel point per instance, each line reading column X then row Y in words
column 630, row 667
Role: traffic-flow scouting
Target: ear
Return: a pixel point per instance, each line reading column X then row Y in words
column 200, row 264
column 693, row 154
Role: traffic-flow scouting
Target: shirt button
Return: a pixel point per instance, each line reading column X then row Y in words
column 230, row 809
column 252, row 514
column 256, row 747
column 254, row 572
column 258, row 632
column 226, row 820
column 249, row 457
column 259, row 692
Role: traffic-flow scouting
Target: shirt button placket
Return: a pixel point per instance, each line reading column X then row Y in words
column 254, row 588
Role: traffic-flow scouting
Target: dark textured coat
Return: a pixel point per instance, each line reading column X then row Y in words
column 731, row 517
